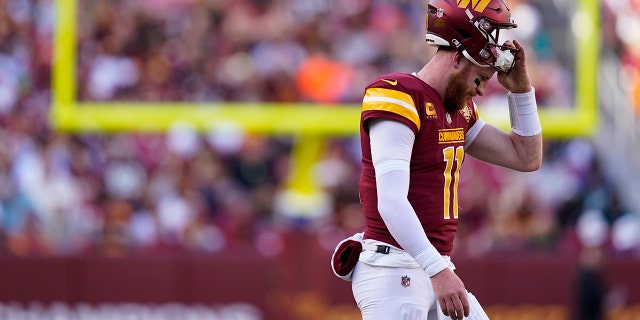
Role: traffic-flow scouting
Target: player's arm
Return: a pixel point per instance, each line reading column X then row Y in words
column 521, row 149
column 510, row 150
column 391, row 147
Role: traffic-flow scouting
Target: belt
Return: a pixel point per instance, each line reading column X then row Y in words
column 381, row 248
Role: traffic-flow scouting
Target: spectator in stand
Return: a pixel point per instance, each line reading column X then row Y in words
column 114, row 191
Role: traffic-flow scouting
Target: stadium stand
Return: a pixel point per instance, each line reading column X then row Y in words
column 120, row 194
column 126, row 192
column 73, row 195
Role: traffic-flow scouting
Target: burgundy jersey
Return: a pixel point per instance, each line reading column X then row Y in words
column 437, row 155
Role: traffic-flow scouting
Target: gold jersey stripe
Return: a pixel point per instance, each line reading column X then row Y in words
column 393, row 101
column 393, row 94
column 475, row 110
column 386, row 106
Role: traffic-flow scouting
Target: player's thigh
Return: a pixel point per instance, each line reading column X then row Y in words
column 384, row 293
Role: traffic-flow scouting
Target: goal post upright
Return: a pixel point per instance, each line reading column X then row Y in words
column 312, row 124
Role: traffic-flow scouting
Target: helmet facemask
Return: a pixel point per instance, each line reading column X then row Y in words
column 500, row 57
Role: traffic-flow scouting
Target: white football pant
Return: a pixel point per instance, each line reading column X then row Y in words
column 381, row 294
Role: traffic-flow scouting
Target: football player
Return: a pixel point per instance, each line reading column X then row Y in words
column 415, row 132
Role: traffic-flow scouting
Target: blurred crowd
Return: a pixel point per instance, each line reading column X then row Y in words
column 121, row 193
column 621, row 19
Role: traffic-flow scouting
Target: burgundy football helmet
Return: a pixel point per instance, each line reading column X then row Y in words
column 473, row 28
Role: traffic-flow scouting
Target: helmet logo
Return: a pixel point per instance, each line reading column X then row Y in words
column 439, row 22
column 476, row 5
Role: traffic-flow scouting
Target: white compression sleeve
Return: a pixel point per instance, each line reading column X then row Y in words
column 523, row 111
column 391, row 146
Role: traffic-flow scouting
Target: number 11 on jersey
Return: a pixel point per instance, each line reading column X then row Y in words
column 451, row 155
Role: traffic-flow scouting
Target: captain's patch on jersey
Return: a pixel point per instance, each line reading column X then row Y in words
column 450, row 135
column 430, row 110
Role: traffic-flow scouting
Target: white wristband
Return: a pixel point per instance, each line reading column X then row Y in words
column 431, row 261
column 523, row 111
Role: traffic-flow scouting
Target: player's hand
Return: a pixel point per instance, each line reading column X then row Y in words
column 517, row 80
column 451, row 294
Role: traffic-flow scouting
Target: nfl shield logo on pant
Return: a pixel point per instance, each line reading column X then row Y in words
column 406, row 281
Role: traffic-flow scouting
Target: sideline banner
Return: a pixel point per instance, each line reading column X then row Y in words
column 297, row 284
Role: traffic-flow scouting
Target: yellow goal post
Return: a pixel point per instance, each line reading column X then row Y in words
column 312, row 123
